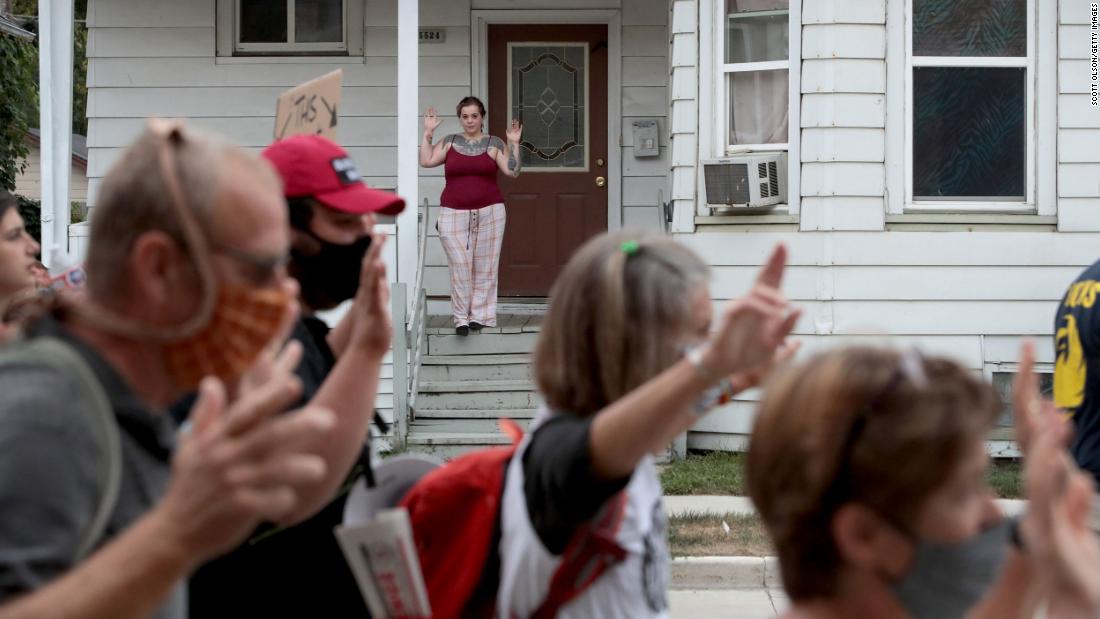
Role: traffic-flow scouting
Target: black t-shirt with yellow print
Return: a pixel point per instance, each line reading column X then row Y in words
column 1077, row 365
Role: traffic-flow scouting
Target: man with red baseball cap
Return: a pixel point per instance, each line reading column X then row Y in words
column 335, row 256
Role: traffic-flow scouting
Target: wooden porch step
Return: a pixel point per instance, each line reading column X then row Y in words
column 510, row 413
column 457, row 438
column 506, row 323
column 476, row 359
column 475, row 386
column 448, row 445
column 460, row 426
column 482, row 344
column 534, row 328
column 477, row 400
column 473, row 373
column 475, row 368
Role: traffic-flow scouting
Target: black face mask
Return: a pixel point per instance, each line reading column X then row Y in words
column 330, row 276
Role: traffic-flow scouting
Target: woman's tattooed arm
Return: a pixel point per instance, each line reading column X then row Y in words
column 507, row 156
column 515, row 162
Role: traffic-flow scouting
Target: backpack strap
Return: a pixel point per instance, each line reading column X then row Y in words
column 592, row 551
column 52, row 352
column 510, row 429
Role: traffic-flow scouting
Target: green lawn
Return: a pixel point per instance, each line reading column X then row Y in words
column 714, row 472
column 723, row 473
column 1006, row 477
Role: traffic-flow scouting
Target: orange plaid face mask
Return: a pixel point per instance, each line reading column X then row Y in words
column 244, row 322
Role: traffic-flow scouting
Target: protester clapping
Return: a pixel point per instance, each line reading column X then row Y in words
column 186, row 288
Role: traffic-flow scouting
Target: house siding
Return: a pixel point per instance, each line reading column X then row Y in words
column 1078, row 123
column 29, row 182
column 160, row 58
column 684, row 106
column 968, row 291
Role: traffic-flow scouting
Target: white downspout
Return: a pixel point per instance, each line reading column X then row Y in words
column 55, row 78
column 408, row 137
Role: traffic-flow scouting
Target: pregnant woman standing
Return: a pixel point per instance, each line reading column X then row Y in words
column 471, row 221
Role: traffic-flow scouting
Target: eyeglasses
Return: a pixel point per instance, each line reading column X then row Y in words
column 910, row 368
column 259, row 270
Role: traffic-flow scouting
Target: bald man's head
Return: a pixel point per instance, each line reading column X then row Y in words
column 135, row 199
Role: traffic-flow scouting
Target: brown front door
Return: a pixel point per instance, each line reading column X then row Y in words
column 553, row 78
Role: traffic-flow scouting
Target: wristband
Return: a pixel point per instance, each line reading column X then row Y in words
column 694, row 356
column 721, row 389
column 716, row 396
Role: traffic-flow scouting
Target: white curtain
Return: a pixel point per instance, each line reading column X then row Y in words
column 758, row 107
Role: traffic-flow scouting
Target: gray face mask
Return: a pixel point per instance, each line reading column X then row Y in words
column 947, row 580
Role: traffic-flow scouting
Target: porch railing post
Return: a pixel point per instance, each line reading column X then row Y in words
column 400, row 366
column 55, row 77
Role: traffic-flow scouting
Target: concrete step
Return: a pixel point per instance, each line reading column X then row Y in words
column 510, row 413
column 481, row 343
column 473, row 400
column 479, row 372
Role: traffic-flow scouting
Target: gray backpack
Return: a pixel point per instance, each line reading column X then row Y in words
column 52, row 352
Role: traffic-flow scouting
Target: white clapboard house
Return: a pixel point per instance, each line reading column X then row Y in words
column 933, row 165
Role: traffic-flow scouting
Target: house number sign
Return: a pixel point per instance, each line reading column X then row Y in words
column 433, row 35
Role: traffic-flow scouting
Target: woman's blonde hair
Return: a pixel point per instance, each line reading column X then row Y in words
column 855, row 425
column 619, row 315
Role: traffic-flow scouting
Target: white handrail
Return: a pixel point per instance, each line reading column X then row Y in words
column 418, row 327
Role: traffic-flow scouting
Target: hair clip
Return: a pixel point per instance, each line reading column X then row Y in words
column 629, row 247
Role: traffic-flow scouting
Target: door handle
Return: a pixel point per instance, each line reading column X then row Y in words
column 600, row 181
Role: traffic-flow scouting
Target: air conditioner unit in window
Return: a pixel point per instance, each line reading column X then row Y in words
column 751, row 180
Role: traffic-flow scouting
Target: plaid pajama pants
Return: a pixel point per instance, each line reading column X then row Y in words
column 472, row 239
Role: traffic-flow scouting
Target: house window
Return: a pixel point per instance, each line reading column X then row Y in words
column 756, row 72
column 970, row 71
column 305, row 27
column 1002, row 384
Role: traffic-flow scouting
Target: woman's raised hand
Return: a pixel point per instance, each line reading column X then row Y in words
column 431, row 120
column 752, row 328
column 515, row 131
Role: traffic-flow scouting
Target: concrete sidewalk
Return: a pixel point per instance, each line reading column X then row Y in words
column 720, row 505
column 737, row 603
column 713, row 580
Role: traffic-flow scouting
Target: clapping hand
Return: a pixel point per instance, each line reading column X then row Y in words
column 239, row 465
column 1056, row 531
column 373, row 326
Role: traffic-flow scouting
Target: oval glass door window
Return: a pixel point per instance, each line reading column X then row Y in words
column 548, row 93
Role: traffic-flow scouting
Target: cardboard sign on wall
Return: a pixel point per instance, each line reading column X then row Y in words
column 310, row 108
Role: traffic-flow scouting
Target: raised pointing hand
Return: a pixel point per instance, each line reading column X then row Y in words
column 752, row 328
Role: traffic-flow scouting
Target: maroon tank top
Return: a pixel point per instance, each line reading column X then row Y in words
column 471, row 181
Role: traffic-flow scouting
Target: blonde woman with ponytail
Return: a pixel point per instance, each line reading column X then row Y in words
column 626, row 361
